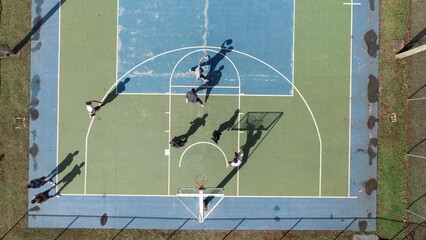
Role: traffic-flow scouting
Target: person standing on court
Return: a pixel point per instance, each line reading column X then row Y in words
column 216, row 136
column 92, row 110
column 44, row 196
column 191, row 96
column 38, row 182
column 237, row 159
column 199, row 70
column 177, row 142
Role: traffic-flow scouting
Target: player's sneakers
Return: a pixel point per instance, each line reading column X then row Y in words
column 58, row 195
column 186, row 99
column 202, row 104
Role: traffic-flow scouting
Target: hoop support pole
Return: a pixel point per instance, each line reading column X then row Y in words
column 201, row 203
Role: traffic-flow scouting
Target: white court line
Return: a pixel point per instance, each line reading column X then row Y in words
column 236, row 51
column 85, row 156
column 58, row 106
column 197, row 143
column 170, row 90
column 183, row 86
column 170, row 152
column 235, row 196
column 203, row 48
column 87, row 139
column 216, row 94
column 294, row 42
column 93, row 118
column 206, row 24
column 351, row 3
column 306, row 104
column 350, row 102
column 117, row 40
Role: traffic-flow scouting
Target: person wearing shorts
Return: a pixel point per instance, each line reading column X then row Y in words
column 44, row 196
column 237, row 159
column 199, row 70
column 38, row 182
column 91, row 109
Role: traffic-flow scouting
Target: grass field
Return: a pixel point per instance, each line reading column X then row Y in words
column 400, row 180
column 396, row 175
column 391, row 193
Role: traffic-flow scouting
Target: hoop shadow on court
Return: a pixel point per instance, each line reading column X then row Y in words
column 254, row 123
column 119, row 88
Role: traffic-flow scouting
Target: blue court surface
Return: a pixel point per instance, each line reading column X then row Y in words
column 253, row 40
column 181, row 38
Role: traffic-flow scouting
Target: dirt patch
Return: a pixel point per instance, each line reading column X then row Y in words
column 370, row 39
column 372, row 8
column 104, row 219
column 34, row 114
column 362, row 225
column 372, row 154
column 373, row 89
column 36, row 35
column 371, row 122
column 35, row 89
column 34, row 150
column 34, row 209
column 370, row 186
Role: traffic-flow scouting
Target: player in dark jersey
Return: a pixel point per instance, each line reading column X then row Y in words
column 192, row 96
column 178, row 142
column 44, row 196
column 38, row 182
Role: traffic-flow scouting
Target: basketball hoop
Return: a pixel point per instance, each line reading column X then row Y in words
column 189, row 196
column 201, row 180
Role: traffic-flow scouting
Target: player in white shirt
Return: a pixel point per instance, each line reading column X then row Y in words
column 199, row 70
column 92, row 110
column 237, row 159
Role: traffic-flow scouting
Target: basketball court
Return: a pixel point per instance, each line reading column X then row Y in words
column 289, row 84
